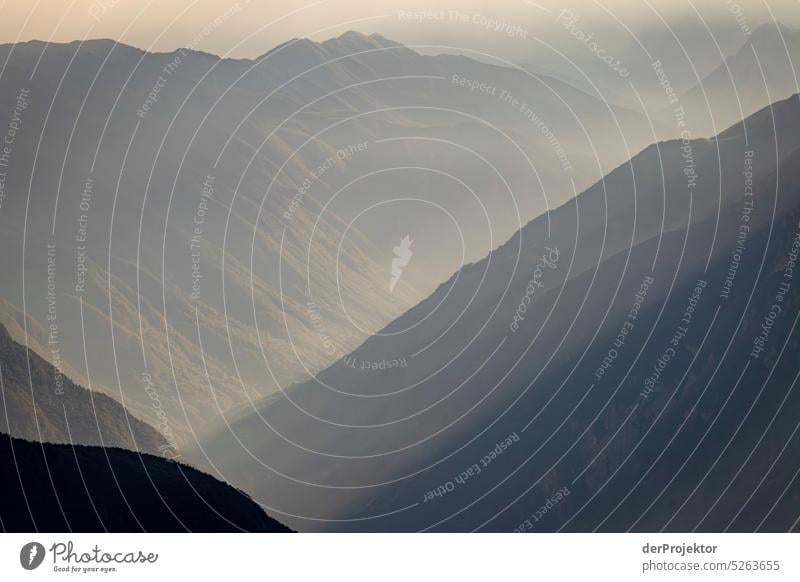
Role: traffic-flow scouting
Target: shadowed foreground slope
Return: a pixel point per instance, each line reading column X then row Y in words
column 115, row 490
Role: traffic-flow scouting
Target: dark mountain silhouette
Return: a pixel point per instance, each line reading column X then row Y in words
column 710, row 227
column 40, row 403
column 63, row 488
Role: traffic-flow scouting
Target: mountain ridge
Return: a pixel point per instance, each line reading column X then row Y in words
column 113, row 490
column 47, row 406
column 312, row 441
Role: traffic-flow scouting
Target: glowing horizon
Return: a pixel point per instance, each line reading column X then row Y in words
column 246, row 29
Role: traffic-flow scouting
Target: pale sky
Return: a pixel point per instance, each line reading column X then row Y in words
column 248, row 28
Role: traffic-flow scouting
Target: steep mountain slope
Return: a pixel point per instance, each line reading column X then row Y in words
column 62, row 488
column 211, row 223
column 40, row 403
column 515, row 358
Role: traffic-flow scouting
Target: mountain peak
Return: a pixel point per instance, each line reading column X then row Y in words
column 774, row 32
column 354, row 41
column 353, row 36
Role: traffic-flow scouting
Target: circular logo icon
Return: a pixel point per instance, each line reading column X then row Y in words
column 31, row 555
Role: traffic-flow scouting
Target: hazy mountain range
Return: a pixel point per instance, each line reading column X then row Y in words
column 359, row 449
column 717, row 79
column 220, row 236
column 761, row 72
column 236, row 201
column 276, row 157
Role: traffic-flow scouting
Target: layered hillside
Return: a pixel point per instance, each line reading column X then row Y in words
column 40, row 403
column 614, row 347
column 212, row 222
